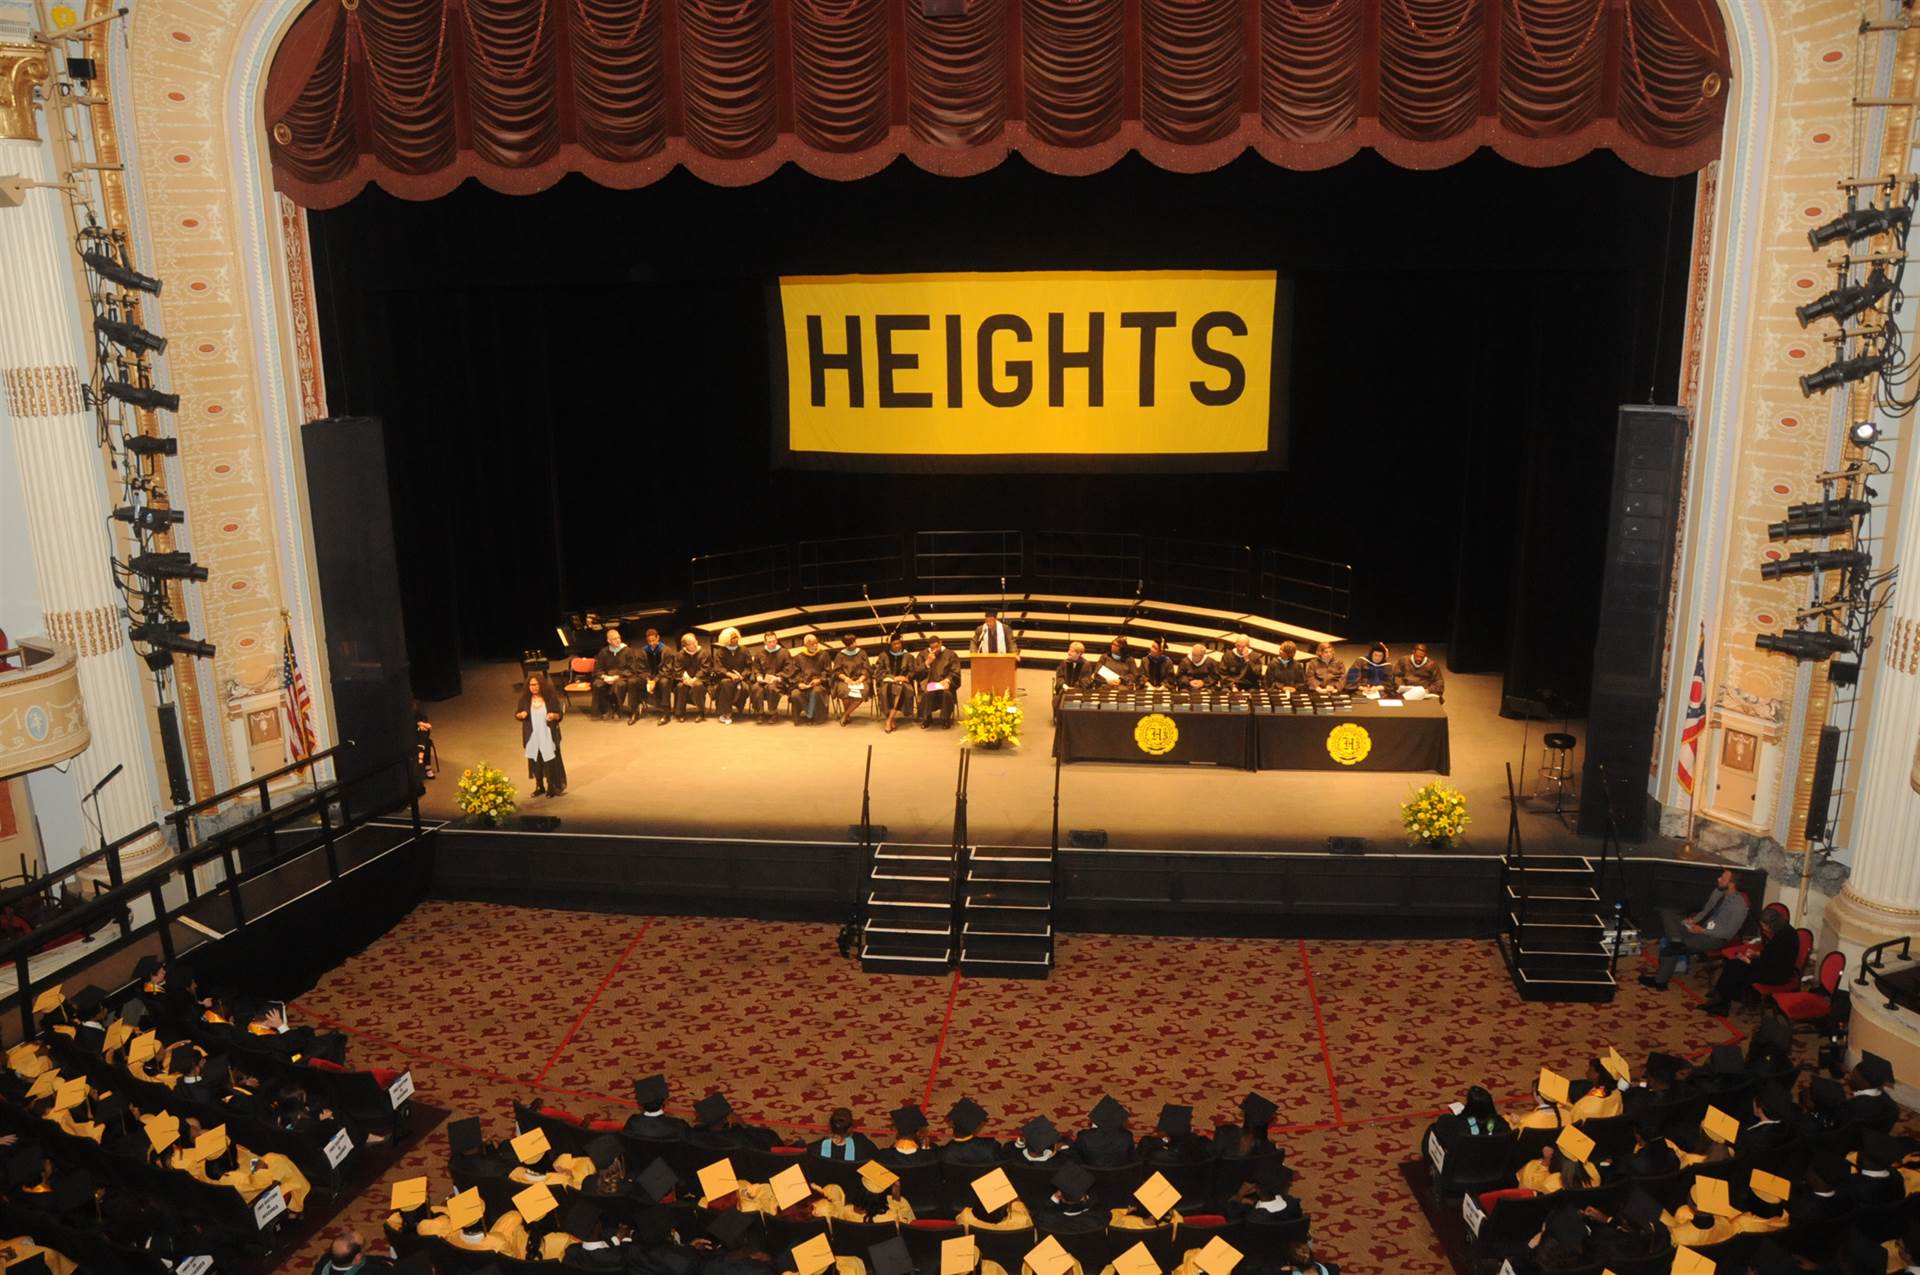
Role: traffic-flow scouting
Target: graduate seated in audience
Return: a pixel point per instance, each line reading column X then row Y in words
column 1561, row 1242
column 1776, row 1122
column 732, row 1243
column 908, row 1147
column 1867, row 1102
column 347, row 1255
column 1173, row 1140
column 842, row 1142
column 1264, row 1201
column 1554, row 1170
column 1108, row 1144
column 1630, row 1231
column 1070, row 1209
column 967, row 1146
column 1251, row 1137
column 1874, row 1181
column 1037, row 1142
column 461, row 1222
column 1301, row 1261
column 716, row 1127
column 1602, row 1096
column 652, row 1120
column 996, row 1206
column 1545, row 1113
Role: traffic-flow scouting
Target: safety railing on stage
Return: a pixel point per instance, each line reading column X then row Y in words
column 967, row 561
column 291, row 825
column 1086, row 562
column 741, row 580
column 1305, row 590
column 1200, row 572
column 829, row 570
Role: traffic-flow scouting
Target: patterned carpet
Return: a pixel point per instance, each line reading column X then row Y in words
column 1359, row 1043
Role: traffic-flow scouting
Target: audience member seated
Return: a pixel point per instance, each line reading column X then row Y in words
column 1772, row 960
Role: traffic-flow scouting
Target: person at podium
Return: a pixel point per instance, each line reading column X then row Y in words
column 993, row 637
column 939, row 674
column 1117, row 669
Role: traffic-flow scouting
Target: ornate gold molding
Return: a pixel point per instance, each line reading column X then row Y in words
column 22, row 68
column 43, row 391
column 43, row 720
column 94, row 631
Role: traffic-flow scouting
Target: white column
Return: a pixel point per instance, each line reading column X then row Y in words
column 55, row 438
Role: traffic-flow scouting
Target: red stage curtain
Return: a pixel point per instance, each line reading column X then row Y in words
column 420, row 94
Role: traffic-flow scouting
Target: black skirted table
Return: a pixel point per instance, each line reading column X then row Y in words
column 1330, row 733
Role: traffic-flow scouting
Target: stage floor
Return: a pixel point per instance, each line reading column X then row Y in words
column 803, row 782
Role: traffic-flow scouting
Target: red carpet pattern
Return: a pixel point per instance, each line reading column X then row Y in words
column 1358, row 1042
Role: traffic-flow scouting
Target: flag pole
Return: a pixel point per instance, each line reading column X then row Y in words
column 1693, row 781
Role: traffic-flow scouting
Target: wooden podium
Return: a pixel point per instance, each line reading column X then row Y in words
column 993, row 673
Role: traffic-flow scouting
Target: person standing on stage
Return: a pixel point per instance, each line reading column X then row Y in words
column 808, row 679
column 939, row 678
column 612, row 679
column 688, row 677
column 1284, row 672
column 1240, row 667
column 1116, row 669
column 650, row 679
column 728, row 670
column 540, row 711
column 993, row 637
column 1159, row 666
column 1421, row 671
column 769, row 677
column 1326, row 672
column 849, row 676
column 1196, row 671
column 895, row 674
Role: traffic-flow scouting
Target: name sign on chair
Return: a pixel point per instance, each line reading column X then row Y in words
column 268, row 1205
column 1436, row 1154
column 1470, row 1210
column 338, row 1148
column 400, row 1090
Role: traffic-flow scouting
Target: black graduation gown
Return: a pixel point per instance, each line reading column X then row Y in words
column 551, row 774
column 1157, row 670
column 1073, row 675
column 1126, row 672
column 850, row 668
column 1874, row 1111
column 1080, row 1219
column 1104, row 1148
column 971, row 1151
column 656, row 1128
column 612, row 696
column 1282, row 672
column 1864, row 1191
column 1190, row 671
column 894, row 695
column 938, row 666
column 650, row 664
column 688, row 678
column 1185, row 1148
column 728, row 670
column 806, row 669
column 1241, row 673
column 769, row 677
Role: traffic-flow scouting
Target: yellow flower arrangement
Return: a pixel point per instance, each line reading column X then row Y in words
column 991, row 720
column 1436, row 816
column 485, row 793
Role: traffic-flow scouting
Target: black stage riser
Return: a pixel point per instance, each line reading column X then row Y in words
column 1101, row 891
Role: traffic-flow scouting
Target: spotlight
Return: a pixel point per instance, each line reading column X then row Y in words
column 1842, row 303
column 1864, row 434
column 1804, row 644
column 152, row 400
column 151, row 445
column 148, row 518
column 1802, row 564
column 1821, row 518
column 161, row 638
column 102, row 263
column 1861, row 223
column 137, row 340
column 1841, row 371
column 176, row 565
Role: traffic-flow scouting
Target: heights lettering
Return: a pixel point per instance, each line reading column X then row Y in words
column 911, row 363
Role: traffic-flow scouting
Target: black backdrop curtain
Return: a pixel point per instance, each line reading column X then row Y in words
column 575, row 384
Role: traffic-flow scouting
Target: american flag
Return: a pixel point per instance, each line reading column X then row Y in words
column 293, row 695
column 1689, row 757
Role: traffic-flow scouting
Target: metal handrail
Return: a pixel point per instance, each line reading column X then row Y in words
column 1871, row 960
column 110, row 855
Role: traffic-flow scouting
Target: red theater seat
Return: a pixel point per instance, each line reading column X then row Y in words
column 1816, row 1002
column 1805, row 938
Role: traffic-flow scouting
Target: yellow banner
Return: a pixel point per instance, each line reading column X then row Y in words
column 1054, row 364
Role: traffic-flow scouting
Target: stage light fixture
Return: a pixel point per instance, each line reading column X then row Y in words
column 1864, row 434
column 1847, row 300
column 1802, row 564
column 1860, row 223
column 151, row 445
column 1821, row 518
column 173, row 565
column 1804, row 644
column 102, row 263
column 148, row 518
column 162, row 638
column 1841, row 371
column 144, row 397
column 137, row 340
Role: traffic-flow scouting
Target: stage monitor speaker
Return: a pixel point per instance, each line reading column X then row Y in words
column 1649, row 464
column 1820, row 795
column 1087, row 838
column 1346, row 845
column 366, row 640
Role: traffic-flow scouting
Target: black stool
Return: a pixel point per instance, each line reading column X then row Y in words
column 1557, row 769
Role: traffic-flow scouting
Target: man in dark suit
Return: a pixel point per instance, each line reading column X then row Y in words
column 1107, row 1144
column 652, row 1121
column 968, row 1147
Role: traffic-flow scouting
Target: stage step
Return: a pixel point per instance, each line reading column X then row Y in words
column 909, row 925
column 1003, row 924
column 1033, row 896
column 1559, row 952
column 1007, row 925
column 877, row 958
column 913, row 890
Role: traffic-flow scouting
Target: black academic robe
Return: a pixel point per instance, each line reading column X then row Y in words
column 1123, row 668
column 608, row 696
column 1184, row 1148
column 1241, row 672
column 1864, row 1190
column 971, row 1151
column 1073, row 675
column 651, row 664
column 1757, row 1139
column 898, row 665
column 1251, row 1216
column 850, row 667
column 1202, row 670
column 688, row 676
column 658, row 1128
column 769, row 677
column 807, row 671
column 1653, row 1160
column 1871, row 1110
column 938, row 666
column 1283, row 672
column 1157, row 670
column 1076, row 1219
column 728, row 669
column 1807, row 1208
column 823, row 1148
column 1104, row 1148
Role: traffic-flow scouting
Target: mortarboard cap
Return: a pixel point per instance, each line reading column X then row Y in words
column 1881, row 1151
column 603, row 1151
column 408, row 1194
column 1567, row 1228
column 789, row 1186
column 1769, row 1186
column 163, row 1130
column 1641, row 1208
column 1137, row 1260
column 71, row 1093
column 1257, row 1111
column 1574, row 1144
column 959, row 1255
column 1775, row 1100
column 1720, row 1126
column 1273, row 1177
column 1048, row 1257
column 117, row 1035
column 580, row 1218
column 466, row 1208
column 966, row 1117
column 1108, row 1114
column 877, row 1177
column 1727, row 1060
column 730, row 1227
column 717, row 1179
column 535, row 1202
column 811, row 1256
column 1174, row 1120
column 87, row 1000
column 1776, row 1033
column 45, row 1085
column 1218, row 1257
column 530, row 1146
column 908, row 1120
column 1877, row 1070
column 146, row 967
column 659, row 1180
column 994, row 1189
column 1072, row 1181
column 72, row 1190
column 212, row 1144
column 1826, row 1092
column 890, row 1257
column 1709, row 1195
column 142, row 1047
column 712, row 1109
column 1553, row 1086
column 653, row 1227
column 111, row 1108
column 1157, row 1196
column 1615, row 1064
column 180, row 1059
column 651, row 1093
column 463, row 1135
column 49, row 1000
column 1039, row 1134
column 1665, row 1067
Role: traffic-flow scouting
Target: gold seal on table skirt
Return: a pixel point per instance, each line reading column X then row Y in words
column 1349, row 744
column 1156, row 734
